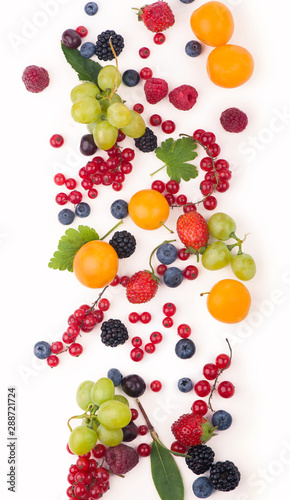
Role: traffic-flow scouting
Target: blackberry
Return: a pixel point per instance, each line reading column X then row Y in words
column 224, row 476
column 201, row 460
column 124, row 243
column 147, row 142
column 113, row 333
column 103, row 49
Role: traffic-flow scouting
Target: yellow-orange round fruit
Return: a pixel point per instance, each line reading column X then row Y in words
column 95, row 264
column 230, row 65
column 149, row 209
column 212, row 23
column 229, row 301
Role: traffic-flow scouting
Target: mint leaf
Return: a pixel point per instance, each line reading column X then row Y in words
column 165, row 473
column 176, row 155
column 69, row 244
column 87, row 69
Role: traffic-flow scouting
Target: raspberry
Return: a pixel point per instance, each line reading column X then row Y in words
column 234, row 120
column 155, row 89
column 121, row 458
column 183, row 97
column 35, row 79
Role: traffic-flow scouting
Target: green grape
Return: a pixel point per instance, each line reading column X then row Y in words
column 107, row 76
column 105, row 103
column 221, row 226
column 136, row 127
column 110, row 437
column 82, row 440
column 102, row 390
column 105, row 135
column 83, row 395
column 118, row 115
column 243, row 266
column 91, row 126
column 85, row 89
column 124, row 400
column 86, row 110
column 114, row 414
column 216, row 256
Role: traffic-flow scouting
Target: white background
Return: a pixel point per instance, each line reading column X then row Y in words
column 36, row 301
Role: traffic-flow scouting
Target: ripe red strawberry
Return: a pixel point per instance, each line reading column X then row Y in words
column 155, row 89
column 193, row 231
column 141, row 287
column 35, row 78
column 192, row 430
column 156, row 16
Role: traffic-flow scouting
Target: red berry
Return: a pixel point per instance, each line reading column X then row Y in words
column 61, row 198
column 99, row 451
column 226, row 389
column 75, row 349
column 136, row 341
column 144, row 52
column 190, row 207
column 210, row 371
column 156, row 386
column 149, row 348
column 52, row 361
column 143, row 429
column 177, row 447
column 138, row 107
column 197, row 134
column 207, row 138
column 133, row 317
column 115, row 281
column 102, row 475
column 161, row 269
column 210, row 203
column 206, row 187
column 70, row 183
column 219, row 164
column 190, row 272
column 170, row 198
column 80, row 491
column 136, row 354
column 156, row 337
column 121, row 136
column 222, row 361
column 183, row 254
column 126, row 167
column 224, row 174
column 214, row 150
column 59, row 179
column 168, row 126
column 172, row 187
column 134, row 413
column 202, row 388
column 181, row 199
column 155, row 120
column 169, row 309
column 92, row 193
column 82, row 462
column 167, row 322
column 104, row 304
column 117, row 186
column 144, row 450
column 206, row 164
column 56, row 347
column 146, row 73
column 98, row 315
column 75, row 197
column 124, row 281
column 128, row 154
column 87, row 184
column 199, row 407
column 145, row 317
column 56, row 141
column 184, row 331
column 159, row 38
column 82, row 31
column 158, row 186
column 222, row 186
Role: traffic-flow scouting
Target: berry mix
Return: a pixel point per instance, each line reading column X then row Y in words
column 111, row 405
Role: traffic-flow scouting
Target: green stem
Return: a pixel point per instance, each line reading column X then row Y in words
column 161, row 168
column 111, row 230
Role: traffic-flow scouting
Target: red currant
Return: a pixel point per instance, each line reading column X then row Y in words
column 224, row 174
column 202, row 388
column 156, row 337
column 59, row 179
column 159, row 38
column 134, row 413
column 144, row 52
column 117, row 186
column 52, row 360
column 219, row 164
column 222, row 186
column 102, row 475
column 158, row 186
column 56, row 141
column 206, row 187
column 75, row 197
column 198, row 133
column 223, row 361
column 136, row 341
column 121, row 136
column 145, row 317
column 167, row 322
column 137, row 354
column 56, row 347
column 138, row 107
column 98, row 315
column 213, row 149
column 126, row 167
column 172, row 187
column 210, row 371
column 199, row 407
column 67, row 339
column 70, row 183
column 207, row 138
column 190, row 272
column 156, row 386
column 161, row 269
column 155, row 120
column 190, row 207
column 183, row 254
column 169, row 309
column 210, row 202
column 206, row 164
column 170, row 198
column 75, row 349
column 178, row 447
column 82, row 31
column 181, row 199
column 96, row 179
column 104, row 304
column 226, row 389
column 81, row 477
column 124, row 281
column 144, row 450
column 133, row 317
column 92, row 193
column 146, row 73
column 143, row 429
column 61, row 198
column 184, row 330
column 168, row 126
column 115, row 281
column 149, row 348
column 128, row 154
column 82, row 462
column 99, row 451
column 80, row 491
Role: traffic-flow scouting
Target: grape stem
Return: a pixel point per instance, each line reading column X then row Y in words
column 89, row 413
column 238, row 244
column 209, row 405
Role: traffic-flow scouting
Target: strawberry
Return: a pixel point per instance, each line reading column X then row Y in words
column 155, row 89
column 156, row 16
column 193, row 231
column 192, row 430
column 141, row 287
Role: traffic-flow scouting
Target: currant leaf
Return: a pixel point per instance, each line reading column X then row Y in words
column 176, row 155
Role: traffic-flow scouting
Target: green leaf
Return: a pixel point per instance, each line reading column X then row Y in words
column 176, row 155
column 165, row 473
column 87, row 69
column 69, row 244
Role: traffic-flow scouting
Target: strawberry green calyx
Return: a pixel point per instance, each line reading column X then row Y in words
column 207, row 431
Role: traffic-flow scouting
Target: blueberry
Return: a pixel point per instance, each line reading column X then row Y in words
column 82, row 209
column 187, row 1
column 42, row 349
column 185, row 348
column 130, row 77
column 193, row 48
column 119, row 209
column 222, row 420
column 87, row 49
column 166, row 253
column 115, row 375
column 185, row 384
column 173, row 277
column 66, row 216
column 202, row 487
column 91, row 8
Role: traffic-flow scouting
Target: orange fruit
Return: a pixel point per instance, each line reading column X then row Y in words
column 95, row 264
column 230, row 65
column 212, row 23
column 149, row 209
column 229, row 301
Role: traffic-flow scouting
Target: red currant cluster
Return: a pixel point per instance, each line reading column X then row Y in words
column 88, row 478
column 143, row 449
column 84, row 319
column 74, row 196
column 169, row 190
column 206, row 387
